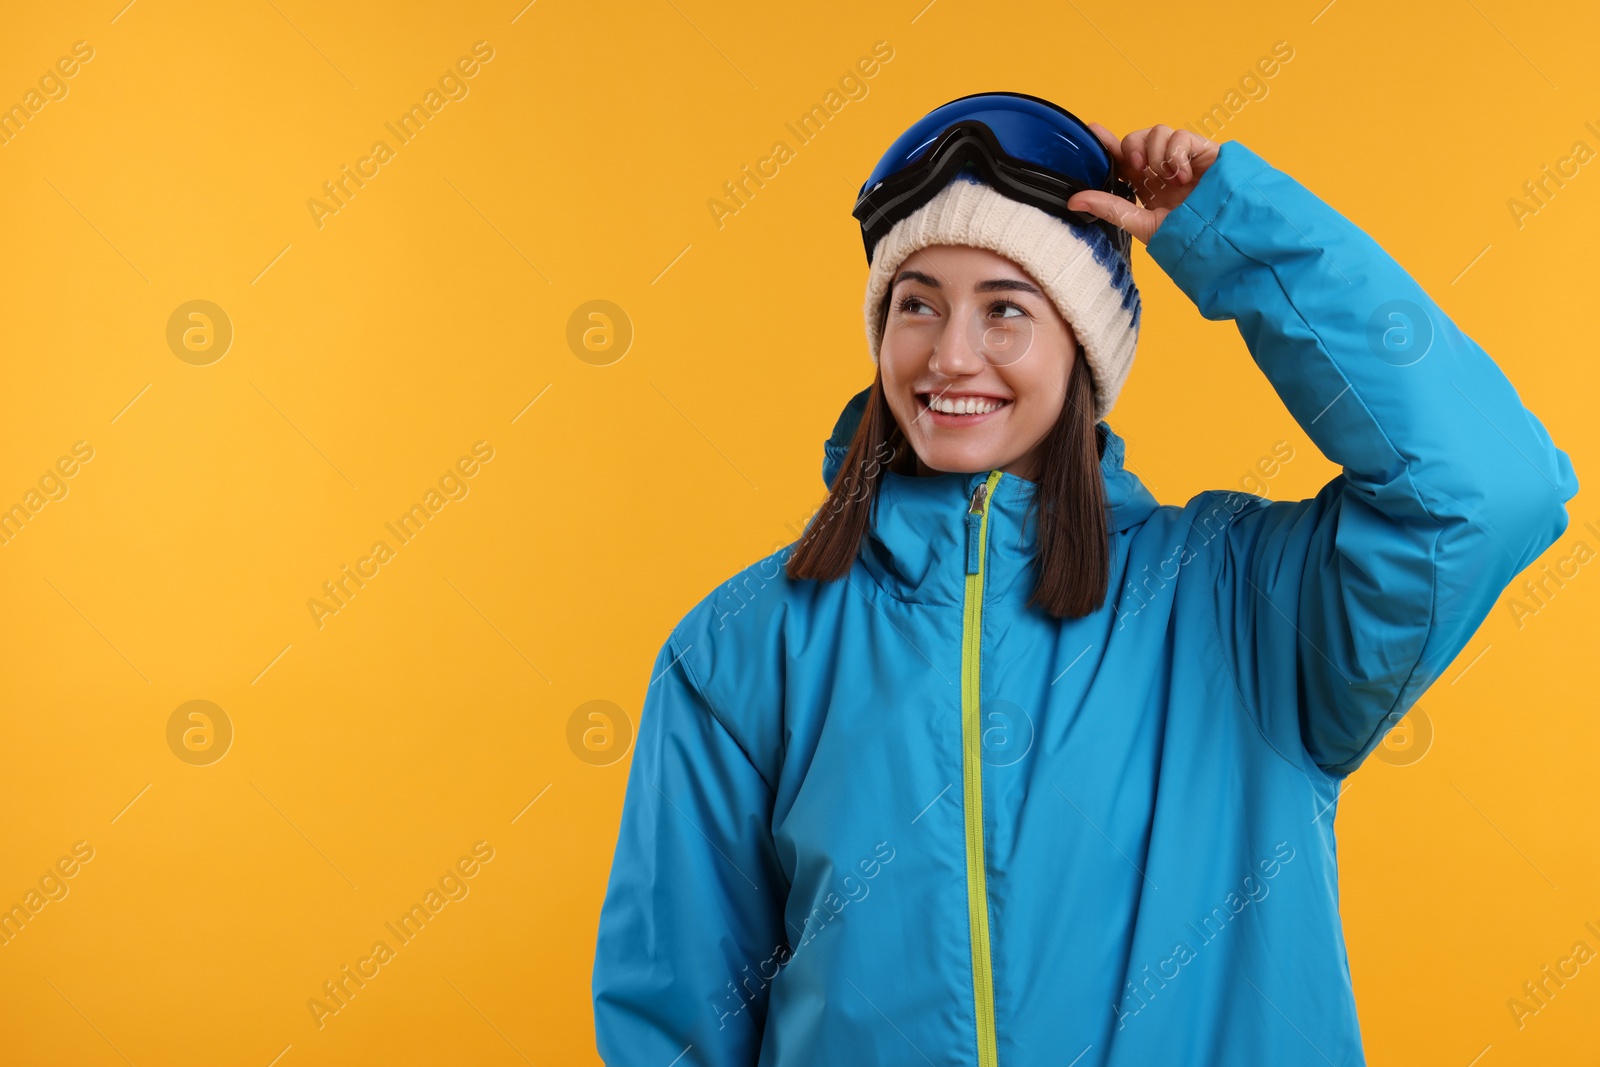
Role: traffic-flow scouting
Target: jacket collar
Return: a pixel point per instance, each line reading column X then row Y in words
column 916, row 546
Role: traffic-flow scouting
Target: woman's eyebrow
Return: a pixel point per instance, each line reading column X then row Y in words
column 1015, row 285
column 915, row 276
column 993, row 285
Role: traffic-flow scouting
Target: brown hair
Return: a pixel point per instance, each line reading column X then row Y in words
column 1073, row 556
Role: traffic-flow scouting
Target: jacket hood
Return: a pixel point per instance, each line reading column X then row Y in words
column 1128, row 501
column 918, row 542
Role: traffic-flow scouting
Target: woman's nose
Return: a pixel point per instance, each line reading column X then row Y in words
column 953, row 354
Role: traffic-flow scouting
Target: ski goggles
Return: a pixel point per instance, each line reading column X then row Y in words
column 1025, row 147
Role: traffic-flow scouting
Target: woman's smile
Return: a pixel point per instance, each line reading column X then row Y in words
column 959, row 409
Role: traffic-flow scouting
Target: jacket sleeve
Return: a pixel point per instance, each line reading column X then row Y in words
column 1337, row 612
column 692, row 918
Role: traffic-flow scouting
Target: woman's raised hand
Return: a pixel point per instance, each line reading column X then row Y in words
column 1162, row 165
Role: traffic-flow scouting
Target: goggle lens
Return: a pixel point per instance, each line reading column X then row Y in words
column 1028, row 130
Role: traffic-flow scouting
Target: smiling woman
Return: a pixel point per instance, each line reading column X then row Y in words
column 1198, row 678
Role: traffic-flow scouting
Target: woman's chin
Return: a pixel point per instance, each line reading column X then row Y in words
column 959, row 461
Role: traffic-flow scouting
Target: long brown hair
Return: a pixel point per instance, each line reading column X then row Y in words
column 1073, row 555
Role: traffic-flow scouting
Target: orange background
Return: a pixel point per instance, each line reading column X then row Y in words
column 435, row 709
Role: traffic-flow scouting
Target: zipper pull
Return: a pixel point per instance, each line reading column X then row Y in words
column 974, row 523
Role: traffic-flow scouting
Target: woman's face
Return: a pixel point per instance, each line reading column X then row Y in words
column 975, row 361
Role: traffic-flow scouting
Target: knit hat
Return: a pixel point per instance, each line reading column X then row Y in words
column 1086, row 276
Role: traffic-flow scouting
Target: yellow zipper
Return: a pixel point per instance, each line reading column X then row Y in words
column 972, row 768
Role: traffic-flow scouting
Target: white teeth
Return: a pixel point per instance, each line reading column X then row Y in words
column 968, row 405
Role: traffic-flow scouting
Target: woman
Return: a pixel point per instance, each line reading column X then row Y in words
column 1003, row 762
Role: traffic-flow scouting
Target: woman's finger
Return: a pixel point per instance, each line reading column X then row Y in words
column 1180, row 150
column 1138, row 221
column 1180, row 161
column 1133, row 153
column 1156, row 153
column 1202, row 152
column 1112, row 143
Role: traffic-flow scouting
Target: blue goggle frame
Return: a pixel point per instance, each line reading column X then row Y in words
column 1026, row 147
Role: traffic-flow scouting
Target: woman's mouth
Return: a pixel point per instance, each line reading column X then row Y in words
column 945, row 409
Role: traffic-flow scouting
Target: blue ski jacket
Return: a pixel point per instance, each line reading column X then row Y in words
column 903, row 818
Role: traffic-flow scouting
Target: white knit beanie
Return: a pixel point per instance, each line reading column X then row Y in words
column 1085, row 274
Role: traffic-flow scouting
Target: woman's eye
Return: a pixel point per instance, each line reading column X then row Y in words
column 1006, row 305
column 910, row 304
